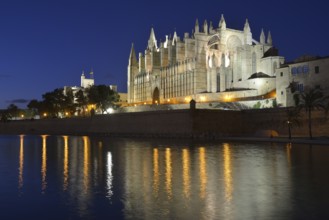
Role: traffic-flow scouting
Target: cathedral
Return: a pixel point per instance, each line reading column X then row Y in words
column 213, row 64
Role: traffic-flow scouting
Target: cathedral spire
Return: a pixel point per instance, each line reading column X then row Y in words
column 246, row 26
column 205, row 27
column 211, row 28
column 175, row 38
column 132, row 56
column 152, row 43
column 269, row 38
column 222, row 23
column 196, row 28
column 262, row 37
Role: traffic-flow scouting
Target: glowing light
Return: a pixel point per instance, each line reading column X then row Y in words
column 109, row 176
column 203, row 172
column 109, row 110
column 155, row 171
column 22, row 116
column 66, row 113
column 21, row 162
column 65, row 163
column 203, row 98
column 168, row 100
column 44, row 164
column 45, row 114
column 168, row 173
column 227, row 172
column 86, row 147
column 186, row 173
column 228, row 98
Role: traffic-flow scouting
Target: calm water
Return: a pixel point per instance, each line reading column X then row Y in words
column 56, row 177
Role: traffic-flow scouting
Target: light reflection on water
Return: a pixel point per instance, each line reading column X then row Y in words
column 84, row 177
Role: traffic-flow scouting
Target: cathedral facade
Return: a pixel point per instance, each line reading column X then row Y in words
column 213, row 64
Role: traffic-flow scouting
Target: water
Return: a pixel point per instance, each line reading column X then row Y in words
column 56, row 177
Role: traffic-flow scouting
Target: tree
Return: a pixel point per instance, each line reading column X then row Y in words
column 311, row 100
column 293, row 116
column 12, row 110
column 34, row 106
column 81, row 100
column 102, row 96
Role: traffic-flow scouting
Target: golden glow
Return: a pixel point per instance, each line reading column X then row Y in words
column 86, row 149
column 66, row 113
column 186, row 173
column 21, row 162
column 168, row 100
column 155, row 171
column 168, row 173
column 228, row 98
column 202, row 98
column 44, row 164
column 44, row 114
column 203, row 172
column 66, row 163
column 228, row 172
column 22, row 116
column 187, row 99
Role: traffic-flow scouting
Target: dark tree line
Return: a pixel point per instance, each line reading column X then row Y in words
column 60, row 103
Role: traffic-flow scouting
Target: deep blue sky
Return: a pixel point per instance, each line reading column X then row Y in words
column 45, row 44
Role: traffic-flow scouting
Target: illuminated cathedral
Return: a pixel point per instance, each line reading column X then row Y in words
column 215, row 63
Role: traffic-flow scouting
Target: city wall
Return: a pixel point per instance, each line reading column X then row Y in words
column 198, row 123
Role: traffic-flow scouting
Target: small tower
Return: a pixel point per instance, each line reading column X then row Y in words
column 211, row 28
column 132, row 70
column 222, row 23
column 269, row 38
column 196, row 28
column 152, row 42
column 82, row 78
column 247, row 33
column 205, row 27
column 262, row 37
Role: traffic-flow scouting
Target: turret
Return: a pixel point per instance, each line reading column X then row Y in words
column 211, row 28
column 132, row 56
column 205, row 27
column 196, row 28
column 262, row 37
column 152, row 42
column 269, row 39
column 222, row 23
column 247, row 33
column 83, row 78
column 132, row 70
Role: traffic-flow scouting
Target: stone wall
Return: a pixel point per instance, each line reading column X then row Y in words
column 202, row 123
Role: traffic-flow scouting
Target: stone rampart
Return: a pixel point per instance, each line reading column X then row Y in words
column 199, row 123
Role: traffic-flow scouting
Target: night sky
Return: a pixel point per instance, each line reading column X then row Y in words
column 45, row 44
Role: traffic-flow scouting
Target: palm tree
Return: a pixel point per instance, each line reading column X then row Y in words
column 293, row 116
column 310, row 100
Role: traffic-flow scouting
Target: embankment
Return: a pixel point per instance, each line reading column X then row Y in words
column 198, row 123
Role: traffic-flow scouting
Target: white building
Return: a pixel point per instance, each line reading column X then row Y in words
column 305, row 73
column 216, row 63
